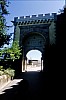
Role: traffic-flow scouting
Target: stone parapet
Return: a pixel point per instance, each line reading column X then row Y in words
column 34, row 19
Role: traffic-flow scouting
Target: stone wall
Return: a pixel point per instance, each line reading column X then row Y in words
column 35, row 17
column 4, row 79
column 35, row 23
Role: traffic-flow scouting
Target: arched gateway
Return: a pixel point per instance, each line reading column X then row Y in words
column 34, row 33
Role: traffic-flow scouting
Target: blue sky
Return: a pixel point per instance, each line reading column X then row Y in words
column 34, row 55
column 19, row 8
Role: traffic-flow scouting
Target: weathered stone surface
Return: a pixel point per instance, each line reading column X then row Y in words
column 4, row 79
column 36, row 32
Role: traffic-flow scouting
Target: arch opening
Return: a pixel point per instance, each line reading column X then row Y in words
column 34, row 61
column 34, row 45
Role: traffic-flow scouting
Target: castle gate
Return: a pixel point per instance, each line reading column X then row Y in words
column 34, row 33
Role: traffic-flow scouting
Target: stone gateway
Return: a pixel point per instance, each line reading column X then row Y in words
column 34, row 33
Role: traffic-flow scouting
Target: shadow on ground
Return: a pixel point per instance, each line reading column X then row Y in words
column 34, row 85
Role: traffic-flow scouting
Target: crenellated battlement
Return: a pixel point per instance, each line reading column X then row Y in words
column 23, row 20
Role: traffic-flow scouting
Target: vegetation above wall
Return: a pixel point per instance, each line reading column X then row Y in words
column 9, row 72
column 10, row 55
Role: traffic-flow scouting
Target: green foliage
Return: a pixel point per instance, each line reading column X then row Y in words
column 4, row 5
column 1, row 72
column 15, row 51
column 1, row 67
column 12, row 53
column 4, row 38
column 10, row 72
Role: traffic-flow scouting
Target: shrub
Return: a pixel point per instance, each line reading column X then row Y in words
column 10, row 72
column 1, row 67
column 1, row 72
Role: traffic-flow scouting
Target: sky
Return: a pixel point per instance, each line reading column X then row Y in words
column 34, row 55
column 19, row 8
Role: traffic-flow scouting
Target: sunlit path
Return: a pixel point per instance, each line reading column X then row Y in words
column 33, row 68
column 33, row 60
column 33, row 86
column 9, row 85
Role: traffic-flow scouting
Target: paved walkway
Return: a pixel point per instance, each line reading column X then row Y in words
column 33, row 86
column 9, row 85
column 33, row 68
column 5, row 84
column 29, row 85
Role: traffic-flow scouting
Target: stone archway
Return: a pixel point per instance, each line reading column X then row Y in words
column 41, row 26
column 33, row 41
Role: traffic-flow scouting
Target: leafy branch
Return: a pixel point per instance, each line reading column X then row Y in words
column 12, row 53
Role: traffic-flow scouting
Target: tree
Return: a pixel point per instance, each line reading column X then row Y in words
column 12, row 53
column 4, row 38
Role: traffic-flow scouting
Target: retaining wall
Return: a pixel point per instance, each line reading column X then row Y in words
column 4, row 79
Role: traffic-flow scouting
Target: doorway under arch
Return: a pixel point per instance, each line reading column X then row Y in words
column 33, row 41
column 34, row 61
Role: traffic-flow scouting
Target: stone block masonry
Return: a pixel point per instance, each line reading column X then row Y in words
column 4, row 79
column 34, row 19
